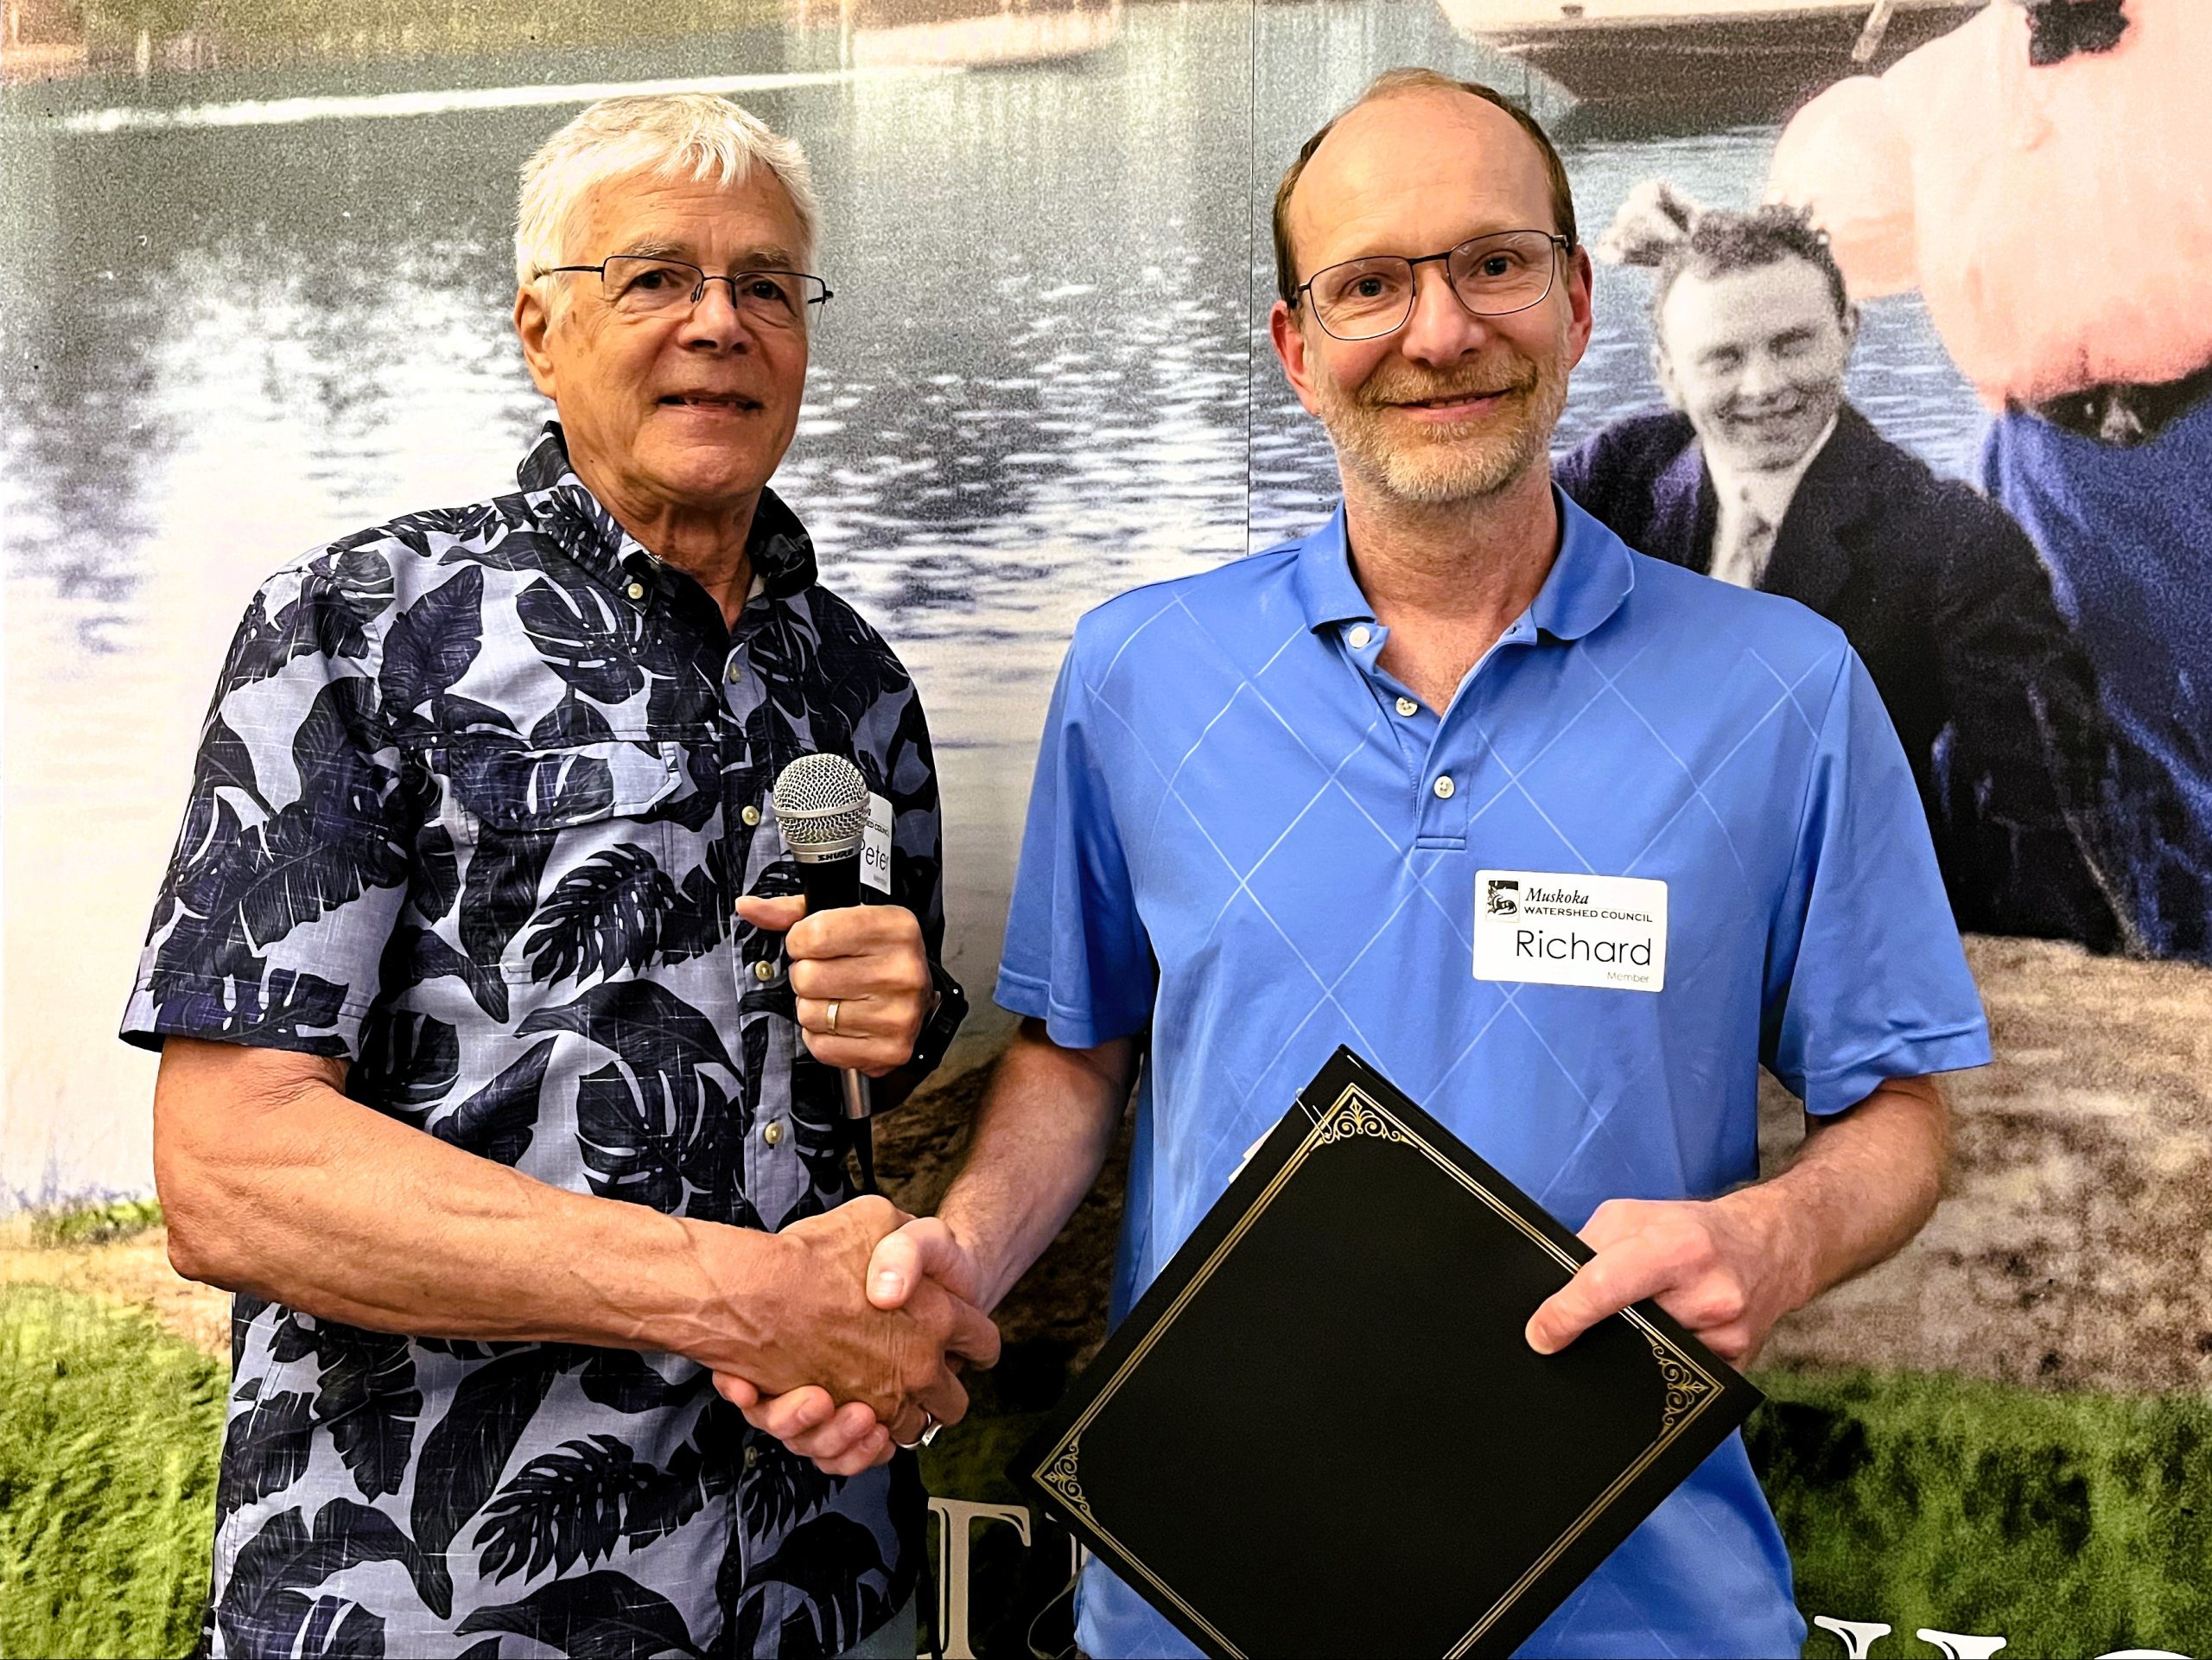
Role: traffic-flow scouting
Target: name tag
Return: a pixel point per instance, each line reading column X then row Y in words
column 876, row 847
column 1556, row 930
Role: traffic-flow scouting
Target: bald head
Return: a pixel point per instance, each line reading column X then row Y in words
column 1415, row 136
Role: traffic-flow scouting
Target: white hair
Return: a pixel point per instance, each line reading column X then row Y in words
column 666, row 135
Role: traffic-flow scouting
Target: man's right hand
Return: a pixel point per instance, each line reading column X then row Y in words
column 913, row 1265
column 816, row 1335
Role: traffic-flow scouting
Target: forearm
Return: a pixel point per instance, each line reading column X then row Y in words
column 287, row 1189
column 1040, row 1138
column 1859, row 1188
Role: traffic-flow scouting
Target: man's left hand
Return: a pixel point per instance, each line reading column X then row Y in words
column 868, row 961
column 1727, row 1268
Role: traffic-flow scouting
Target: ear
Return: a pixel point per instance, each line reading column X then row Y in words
column 533, row 325
column 1581, row 283
column 1663, row 373
column 1289, row 340
column 1850, row 320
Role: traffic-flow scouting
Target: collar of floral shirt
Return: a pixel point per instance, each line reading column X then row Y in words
column 781, row 551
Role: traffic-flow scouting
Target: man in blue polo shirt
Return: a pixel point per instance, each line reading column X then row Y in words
column 1568, row 841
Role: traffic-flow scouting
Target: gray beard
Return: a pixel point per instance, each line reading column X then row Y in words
column 1448, row 473
column 1440, row 475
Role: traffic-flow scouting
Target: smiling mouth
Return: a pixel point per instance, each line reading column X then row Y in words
column 1456, row 400
column 709, row 401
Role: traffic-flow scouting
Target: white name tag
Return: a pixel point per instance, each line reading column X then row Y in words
column 1559, row 930
column 876, row 847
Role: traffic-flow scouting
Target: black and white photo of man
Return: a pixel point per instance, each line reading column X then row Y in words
column 1761, row 473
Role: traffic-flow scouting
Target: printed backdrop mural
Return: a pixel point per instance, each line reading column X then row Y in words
column 254, row 277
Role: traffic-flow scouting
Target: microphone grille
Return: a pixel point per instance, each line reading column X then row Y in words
column 821, row 801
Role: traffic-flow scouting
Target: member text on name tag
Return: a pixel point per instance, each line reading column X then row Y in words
column 1557, row 929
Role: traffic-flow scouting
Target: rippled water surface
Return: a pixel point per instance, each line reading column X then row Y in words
column 1045, row 378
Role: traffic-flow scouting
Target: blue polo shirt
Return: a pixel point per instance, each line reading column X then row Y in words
column 1242, row 838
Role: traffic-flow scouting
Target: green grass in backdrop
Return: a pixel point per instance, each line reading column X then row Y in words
column 108, row 1433
column 2068, row 1524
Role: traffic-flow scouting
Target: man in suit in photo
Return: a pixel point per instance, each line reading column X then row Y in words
column 1761, row 473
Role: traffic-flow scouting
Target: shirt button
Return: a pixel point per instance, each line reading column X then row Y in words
column 735, row 672
column 1408, row 708
column 774, row 1132
column 1444, row 787
column 763, row 970
column 636, row 590
column 752, row 1457
column 751, row 815
column 1361, row 635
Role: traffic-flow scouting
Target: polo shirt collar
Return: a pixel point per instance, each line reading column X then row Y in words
column 1587, row 582
column 782, row 552
column 1325, row 586
column 1590, row 579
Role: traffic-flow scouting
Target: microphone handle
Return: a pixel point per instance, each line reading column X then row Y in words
column 832, row 884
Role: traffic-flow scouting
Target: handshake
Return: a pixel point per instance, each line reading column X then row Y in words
column 867, row 1332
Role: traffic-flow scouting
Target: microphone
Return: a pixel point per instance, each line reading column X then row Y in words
column 822, row 810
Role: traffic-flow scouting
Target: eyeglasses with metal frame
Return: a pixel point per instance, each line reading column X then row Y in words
column 643, row 285
column 1492, row 275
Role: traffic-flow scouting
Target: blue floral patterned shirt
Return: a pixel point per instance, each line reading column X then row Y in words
column 473, row 801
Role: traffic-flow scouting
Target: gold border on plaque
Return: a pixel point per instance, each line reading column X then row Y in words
column 1690, row 1388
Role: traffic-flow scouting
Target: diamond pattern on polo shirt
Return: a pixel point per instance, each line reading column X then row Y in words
column 1188, row 884
column 1705, row 755
column 1642, row 786
column 1170, row 727
column 1508, row 829
column 1250, row 760
column 1299, row 882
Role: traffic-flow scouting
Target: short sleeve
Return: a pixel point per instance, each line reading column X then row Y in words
column 291, row 865
column 1866, row 977
column 1077, row 955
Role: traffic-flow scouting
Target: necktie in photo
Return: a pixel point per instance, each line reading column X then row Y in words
column 1742, row 561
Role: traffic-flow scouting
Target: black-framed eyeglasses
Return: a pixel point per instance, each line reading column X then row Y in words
column 1493, row 276
column 641, row 285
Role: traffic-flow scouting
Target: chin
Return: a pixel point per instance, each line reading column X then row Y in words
column 1437, row 475
column 719, row 473
column 1771, row 454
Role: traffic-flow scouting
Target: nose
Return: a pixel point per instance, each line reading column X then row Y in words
column 1440, row 330
column 1760, row 378
column 713, row 321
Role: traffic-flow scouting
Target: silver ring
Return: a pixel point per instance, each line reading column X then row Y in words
column 929, row 1426
column 831, row 1018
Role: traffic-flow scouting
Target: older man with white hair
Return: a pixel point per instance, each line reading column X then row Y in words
column 495, row 1052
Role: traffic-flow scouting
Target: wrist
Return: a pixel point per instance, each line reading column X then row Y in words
column 995, row 1273
column 718, row 1301
column 1783, row 1247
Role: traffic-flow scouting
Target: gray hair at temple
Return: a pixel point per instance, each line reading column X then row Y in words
column 666, row 135
column 1660, row 226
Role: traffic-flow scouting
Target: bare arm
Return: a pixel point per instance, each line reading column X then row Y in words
column 276, row 1183
column 1041, row 1137
column 1862, row 1184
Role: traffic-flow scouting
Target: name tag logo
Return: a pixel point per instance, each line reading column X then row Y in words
column 1564, row 930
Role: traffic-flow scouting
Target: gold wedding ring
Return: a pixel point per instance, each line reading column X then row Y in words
column 832, row 1016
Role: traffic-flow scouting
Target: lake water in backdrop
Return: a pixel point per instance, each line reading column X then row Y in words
column 228, row 333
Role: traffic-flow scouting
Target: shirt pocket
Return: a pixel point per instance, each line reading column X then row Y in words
column 557, row 840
